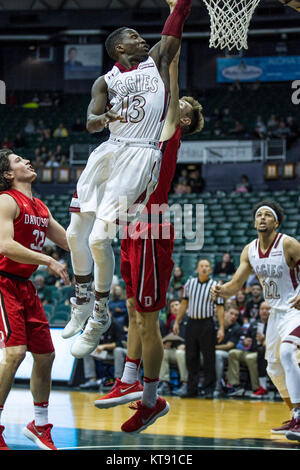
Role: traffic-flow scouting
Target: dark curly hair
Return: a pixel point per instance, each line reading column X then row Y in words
column 274, row 205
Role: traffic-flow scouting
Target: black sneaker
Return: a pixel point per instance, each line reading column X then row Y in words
column 236, row 391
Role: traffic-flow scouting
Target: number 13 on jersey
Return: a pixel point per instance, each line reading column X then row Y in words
column 133, row 109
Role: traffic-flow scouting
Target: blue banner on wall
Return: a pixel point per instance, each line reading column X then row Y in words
column 264, row 69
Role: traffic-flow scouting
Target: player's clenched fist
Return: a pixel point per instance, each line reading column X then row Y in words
column 216, row 291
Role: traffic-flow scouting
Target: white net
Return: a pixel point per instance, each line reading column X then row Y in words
column 229, row 22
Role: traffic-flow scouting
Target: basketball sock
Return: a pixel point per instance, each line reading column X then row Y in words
column 41, row 413
column 263, row 382
column 150, row 396
column 131, row 369
column 100, row 307
column 83, row 291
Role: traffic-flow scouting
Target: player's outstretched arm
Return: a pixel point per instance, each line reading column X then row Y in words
column 292, row 3
column 173, row 116
column 238, row 279
column 164, row 52
column 14, row 250
column 97, row 117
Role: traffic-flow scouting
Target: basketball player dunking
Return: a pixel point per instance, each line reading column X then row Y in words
column 275, row 259
column 123, row 171
column 146, row 267
column 25, row 222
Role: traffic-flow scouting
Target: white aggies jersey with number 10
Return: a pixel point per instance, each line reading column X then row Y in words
column 140, row 97
column 279, row 282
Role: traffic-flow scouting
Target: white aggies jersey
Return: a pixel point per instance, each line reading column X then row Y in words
column 140, row 97
column 279, row 282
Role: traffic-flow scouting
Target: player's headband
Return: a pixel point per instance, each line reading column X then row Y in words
column 269, row 209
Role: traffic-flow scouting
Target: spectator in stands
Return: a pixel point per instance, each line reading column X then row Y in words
column 117, row 305
column 178, row 281
column 241, row 301
column 294, row 129
column 6, row 143
column 180, row 188
column 252, row 305
column 35, row 98
column 29, row 127
column 232, row 333
column 111, row 349
column 184, row 176
column 60, row 131
column 58, row 152
column 260, row 129
column 225, row 267
column 64, row 161
column 38, row 163
column 217, row 129
column 196, row 182
column 173, row 308
column 174, row 354
column 51, row 161
column 43, row 291
column 40, row 128
column 282, row 131
column 46, row 100
column 246, row 352
column 238, row 130
column 260, row 326
column 78, row 126
column 244, row 186
column 272, row 125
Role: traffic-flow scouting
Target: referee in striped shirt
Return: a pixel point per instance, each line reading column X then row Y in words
column 200, row 329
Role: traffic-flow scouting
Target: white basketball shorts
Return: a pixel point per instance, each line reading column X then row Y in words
column 118, row 175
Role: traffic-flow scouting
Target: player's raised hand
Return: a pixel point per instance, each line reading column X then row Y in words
column 59, row 270
column 292, row 3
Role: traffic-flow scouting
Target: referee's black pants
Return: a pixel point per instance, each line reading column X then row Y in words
column 200, row 336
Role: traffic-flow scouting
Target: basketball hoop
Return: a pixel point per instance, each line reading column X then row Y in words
column 229, row 22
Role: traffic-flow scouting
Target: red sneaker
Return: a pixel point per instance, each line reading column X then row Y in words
column 145, row 416
column 294, row 432
column 120, row 393
column 261, row 392
column 40, row 435
column 286, row 426
column 3, row 445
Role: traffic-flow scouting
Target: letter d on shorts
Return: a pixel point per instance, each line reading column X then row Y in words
column 2, row 92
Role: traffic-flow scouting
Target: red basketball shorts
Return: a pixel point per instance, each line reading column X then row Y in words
column 22, row 318
column 146, row 267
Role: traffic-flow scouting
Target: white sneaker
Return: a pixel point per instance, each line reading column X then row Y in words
column 89, row 339
column 79, row 316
